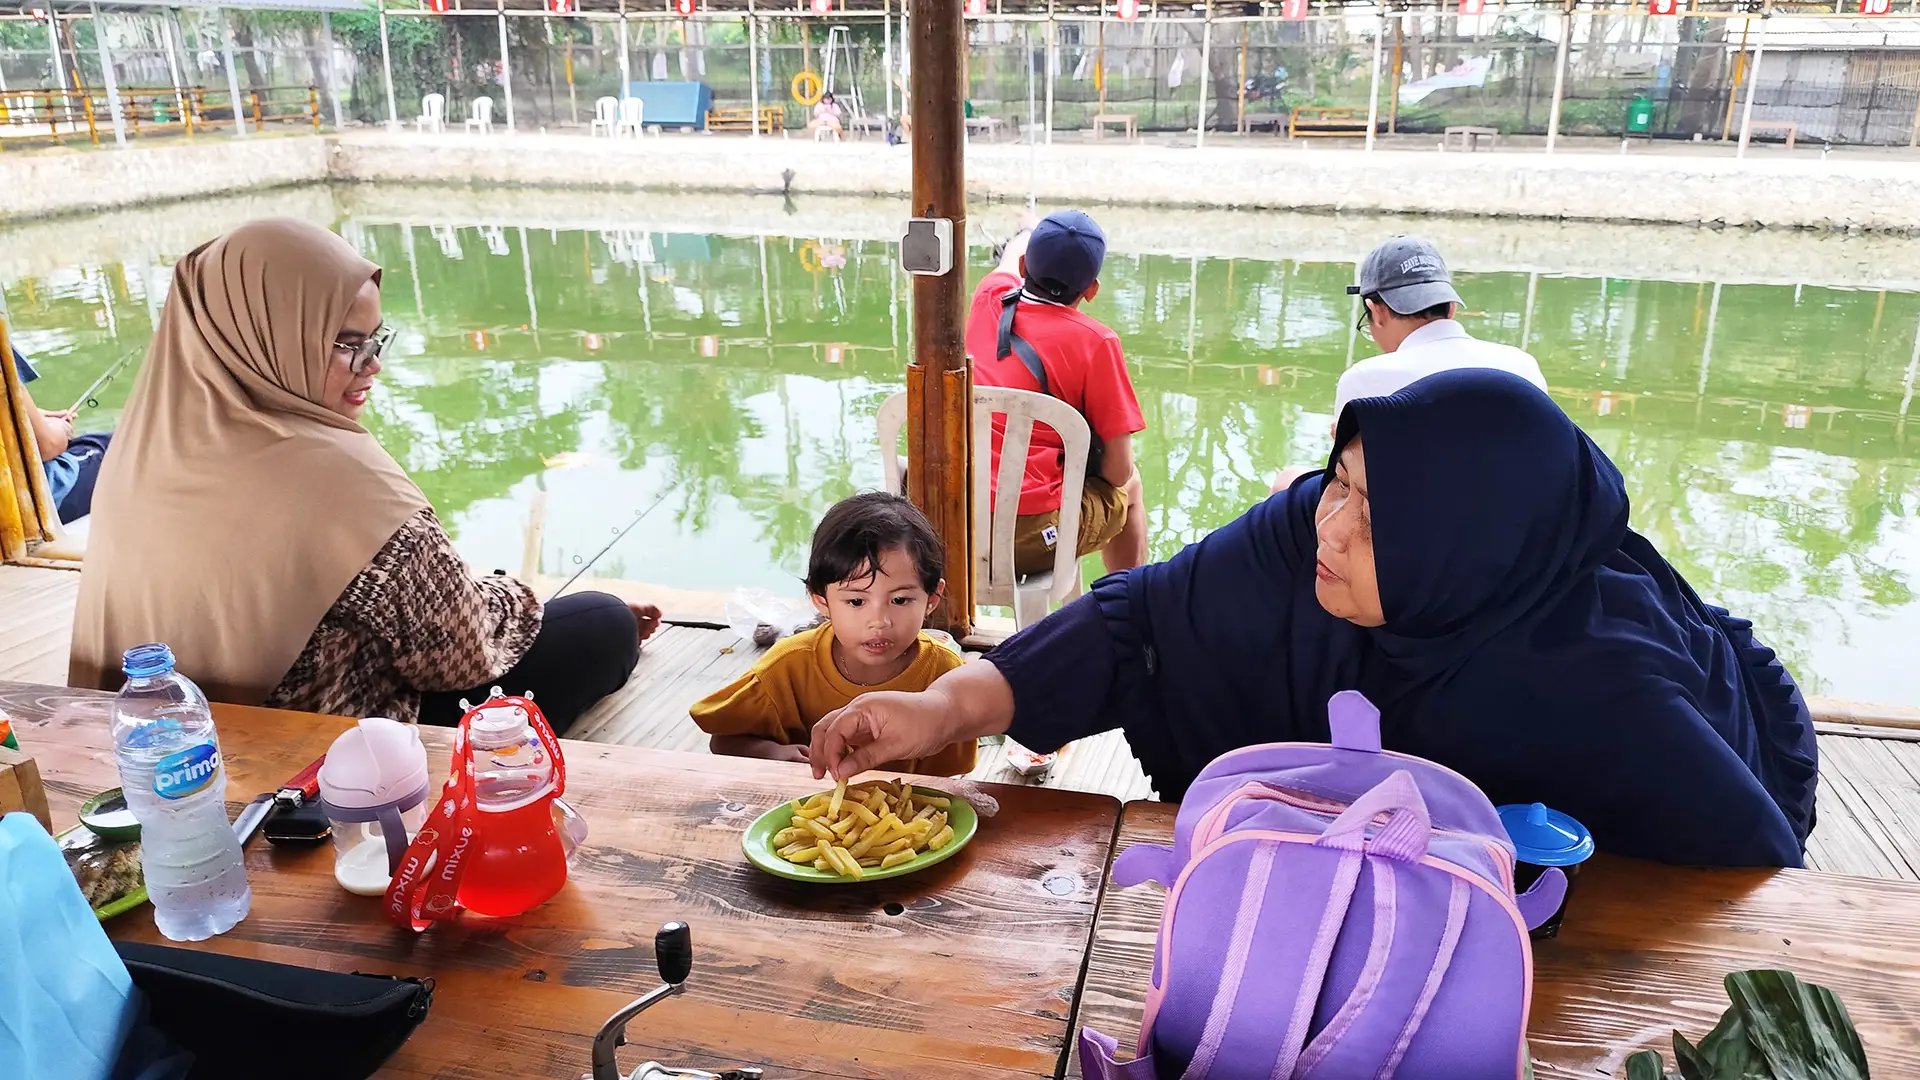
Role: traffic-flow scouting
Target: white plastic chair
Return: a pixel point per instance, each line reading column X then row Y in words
column 633, row 113
column 480, row 115
column 606, row 116
column 994, row 581
column 433, row 113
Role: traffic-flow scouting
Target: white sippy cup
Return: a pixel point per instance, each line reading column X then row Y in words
column 373, row 788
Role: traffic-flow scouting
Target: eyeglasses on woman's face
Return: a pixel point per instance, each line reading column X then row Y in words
column 364, row 350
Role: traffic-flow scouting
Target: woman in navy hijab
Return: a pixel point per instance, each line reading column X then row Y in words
column 1464, row 561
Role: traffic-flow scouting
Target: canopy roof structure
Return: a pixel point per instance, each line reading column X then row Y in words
column 840, row 9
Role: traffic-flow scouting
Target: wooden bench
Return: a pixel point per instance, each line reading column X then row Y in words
column 741, row 118
column 1787, row 128
column 1324, row 121
column 1127, row 122
column 1470, row 137
column 1275, row 122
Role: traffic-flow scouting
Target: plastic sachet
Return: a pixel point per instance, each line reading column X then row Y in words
column 67, row 1003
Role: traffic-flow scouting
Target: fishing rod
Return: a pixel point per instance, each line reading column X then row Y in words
column 86, row 396
column 619, row 536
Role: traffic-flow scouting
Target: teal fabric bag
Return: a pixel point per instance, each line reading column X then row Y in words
column 66, row 1002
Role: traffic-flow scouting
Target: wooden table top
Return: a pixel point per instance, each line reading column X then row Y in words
column 967, row 969
column 1643, row 951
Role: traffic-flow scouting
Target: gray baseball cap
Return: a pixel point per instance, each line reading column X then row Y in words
column 1408, row 273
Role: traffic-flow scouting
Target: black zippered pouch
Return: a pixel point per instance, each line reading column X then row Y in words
column 245, row 1019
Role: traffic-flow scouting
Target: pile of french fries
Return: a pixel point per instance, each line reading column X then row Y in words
column 875, row 825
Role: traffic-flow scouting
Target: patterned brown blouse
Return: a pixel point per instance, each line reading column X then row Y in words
column 415, row 619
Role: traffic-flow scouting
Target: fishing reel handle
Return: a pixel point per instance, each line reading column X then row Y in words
column 673, row 952
column 673, row 955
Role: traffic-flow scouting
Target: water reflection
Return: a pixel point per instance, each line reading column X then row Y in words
column 570, row 376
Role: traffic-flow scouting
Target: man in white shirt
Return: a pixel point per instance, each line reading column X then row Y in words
column 1407, row 305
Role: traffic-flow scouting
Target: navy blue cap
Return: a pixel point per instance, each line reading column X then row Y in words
column 1064, row 255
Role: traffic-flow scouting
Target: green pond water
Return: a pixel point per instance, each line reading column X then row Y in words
column 1763, row 430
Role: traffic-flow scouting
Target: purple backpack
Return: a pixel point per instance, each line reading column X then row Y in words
column 1333, row 912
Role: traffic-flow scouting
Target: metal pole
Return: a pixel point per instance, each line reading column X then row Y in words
column 59, row 72
column 1206, row 76
column 886, row 53
column 1559, row 77
column 506, row 66
column 1053, row 65
column 333, row 70
column 233, row 77
column 169, row 29
column 386, row 70
column 1033, row 118
column 753, row 75
column 1753, row 85
column 939, row 394
column 106, row 74
column 1373, row 90
column 626, row 69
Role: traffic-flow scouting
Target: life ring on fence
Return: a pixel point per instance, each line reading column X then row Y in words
column 814, row 88
column 810, row 257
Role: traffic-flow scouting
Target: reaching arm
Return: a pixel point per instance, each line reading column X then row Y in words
column 1016, row 250
column 52, row 431
column 967, row 703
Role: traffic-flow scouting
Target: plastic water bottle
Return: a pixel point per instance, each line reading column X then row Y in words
column 176, row 786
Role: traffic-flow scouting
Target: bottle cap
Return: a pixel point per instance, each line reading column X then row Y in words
column 1546, row 837
column 378, row 762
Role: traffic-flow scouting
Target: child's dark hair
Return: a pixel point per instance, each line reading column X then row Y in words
column 848, row 541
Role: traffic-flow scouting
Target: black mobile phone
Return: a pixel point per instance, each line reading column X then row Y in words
column 297, row 825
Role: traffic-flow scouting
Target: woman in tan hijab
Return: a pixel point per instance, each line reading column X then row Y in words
column 248, row 520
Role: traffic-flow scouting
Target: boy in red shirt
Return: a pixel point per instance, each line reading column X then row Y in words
column 1052, row 347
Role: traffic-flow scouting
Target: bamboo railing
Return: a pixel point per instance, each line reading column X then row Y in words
column 148, row 110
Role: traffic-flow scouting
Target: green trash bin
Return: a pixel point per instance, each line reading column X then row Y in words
column 1640, row 116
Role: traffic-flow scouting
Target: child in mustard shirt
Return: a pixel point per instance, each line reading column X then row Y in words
column 875, row 572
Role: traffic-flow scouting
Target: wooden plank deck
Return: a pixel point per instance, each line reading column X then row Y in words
column 1869, row 798
column 36, row 623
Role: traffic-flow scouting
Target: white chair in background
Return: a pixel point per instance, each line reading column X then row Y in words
column 606, row 116
column 994, row 580
column 433, row 113
column 480, row 115
column 633, row 113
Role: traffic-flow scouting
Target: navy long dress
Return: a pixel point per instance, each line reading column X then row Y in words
column 1532, row 641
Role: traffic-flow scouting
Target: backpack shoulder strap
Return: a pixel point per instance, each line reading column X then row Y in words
column 1011, row 342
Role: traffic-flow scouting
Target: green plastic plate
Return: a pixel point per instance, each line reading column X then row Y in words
column 758, row 843
column 138, row 896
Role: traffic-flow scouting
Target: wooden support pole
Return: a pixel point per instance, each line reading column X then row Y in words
column 939, row 380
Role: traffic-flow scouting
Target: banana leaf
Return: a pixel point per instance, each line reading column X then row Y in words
column 1799, row 1030
column 1778, row 1028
